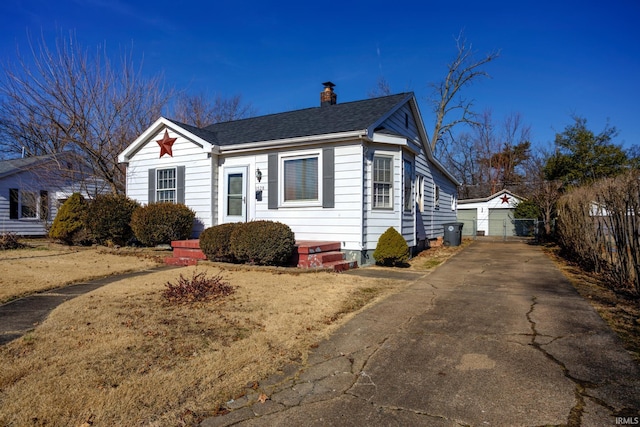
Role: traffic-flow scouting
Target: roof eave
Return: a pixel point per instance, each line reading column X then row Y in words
column 297, row 141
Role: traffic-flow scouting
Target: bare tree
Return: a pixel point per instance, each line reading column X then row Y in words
column 199, row 111
column 449, row 108
column 63, row 98
column 382, row 88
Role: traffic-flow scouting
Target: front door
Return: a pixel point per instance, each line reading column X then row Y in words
column 235, row 194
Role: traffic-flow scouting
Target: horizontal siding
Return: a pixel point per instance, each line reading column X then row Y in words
column 341, row 223
column 379, row 220
column 198, row 175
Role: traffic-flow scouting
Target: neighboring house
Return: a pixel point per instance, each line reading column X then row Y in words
column 32, row 189
column 338, row 172
column 489, row 216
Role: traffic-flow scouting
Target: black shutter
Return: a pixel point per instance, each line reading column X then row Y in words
column 180, row 184
column 13, row 203
column 44, row 205
column 152, row 185
column 272, row 181
column 328, row 178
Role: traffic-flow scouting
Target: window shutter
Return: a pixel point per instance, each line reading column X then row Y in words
column 328, row 178
column 180, row 184
column 13, row 203
column 152, row 185
column 44, row 205
column 272, row 181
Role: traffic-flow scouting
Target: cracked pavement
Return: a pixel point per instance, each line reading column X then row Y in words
column 495, row 336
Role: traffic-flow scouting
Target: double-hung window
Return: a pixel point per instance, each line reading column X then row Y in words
column 166, row 185
column 408, row 190
column 26, row 204
column 300, row 178
column 382, row 182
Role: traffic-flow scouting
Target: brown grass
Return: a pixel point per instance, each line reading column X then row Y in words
column 121, row 355
column 47, row 266
column 620, row 311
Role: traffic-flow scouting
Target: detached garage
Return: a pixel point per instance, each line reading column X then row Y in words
column 490, row 216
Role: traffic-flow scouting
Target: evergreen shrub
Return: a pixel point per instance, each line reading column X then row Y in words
column 158, row 223
column 69, row 224
column 215, row 242
column 263, row 243
column 392, row 249
column 108, row 217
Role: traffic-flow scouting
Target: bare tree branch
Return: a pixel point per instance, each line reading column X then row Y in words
column 62, row 98
column 462, row 71
column 199, row 111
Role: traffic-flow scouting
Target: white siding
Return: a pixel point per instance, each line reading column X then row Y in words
column 198, row 175
column 341, row 223
column 379, row 220
column 25, row 181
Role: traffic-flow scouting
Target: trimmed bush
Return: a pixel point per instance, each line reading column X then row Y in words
column 392, row 249
column 69, row 224
column 158, row 223
column 263, row 243
column 215, row 242
column 108, row 218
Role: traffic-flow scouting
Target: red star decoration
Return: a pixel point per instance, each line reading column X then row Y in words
column 505, row 199
column 165, row 144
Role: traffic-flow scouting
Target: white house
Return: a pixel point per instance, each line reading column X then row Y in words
column 489, row 216
column 32, row 189
column 337, row 172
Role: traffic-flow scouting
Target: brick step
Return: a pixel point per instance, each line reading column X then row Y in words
column 191, row 243
column 312, row 247
column 195, row 253
column 339, row 266
column 316, row 260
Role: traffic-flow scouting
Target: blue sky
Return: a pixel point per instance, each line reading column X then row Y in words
column 558, row 58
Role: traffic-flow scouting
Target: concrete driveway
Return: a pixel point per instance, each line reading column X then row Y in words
column 494, row 337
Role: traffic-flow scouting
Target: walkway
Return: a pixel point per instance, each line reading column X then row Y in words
column 495, row 336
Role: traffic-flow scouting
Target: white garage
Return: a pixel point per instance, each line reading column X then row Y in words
column 490, row 216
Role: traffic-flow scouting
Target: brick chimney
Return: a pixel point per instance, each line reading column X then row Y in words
column 328, row 96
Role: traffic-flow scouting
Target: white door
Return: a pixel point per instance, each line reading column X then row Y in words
column 235, row 194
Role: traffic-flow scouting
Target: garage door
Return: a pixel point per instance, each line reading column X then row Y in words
column 498, row 219
column 467, row 217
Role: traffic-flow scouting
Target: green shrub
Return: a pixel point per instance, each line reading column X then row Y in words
column 391, row 249
column 108, row 218
column 263, row 243
column 215, row 242
column 158, row 223
column 69, row 223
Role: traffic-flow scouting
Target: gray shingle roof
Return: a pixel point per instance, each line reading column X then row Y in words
column 349, row 116
column 11, row 166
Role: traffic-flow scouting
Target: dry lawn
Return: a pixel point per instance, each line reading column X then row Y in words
column 122, row 356
column 44, row 266
column 620, row 311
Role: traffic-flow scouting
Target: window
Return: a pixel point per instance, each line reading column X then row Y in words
column 166, row 185
column 454, row 202
column 235, row 188
column 382, row 182
column 300, row 179
column 28, row 204
column 436, row 196
column 25, row 204
column 408, row 181
column 420, row 193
